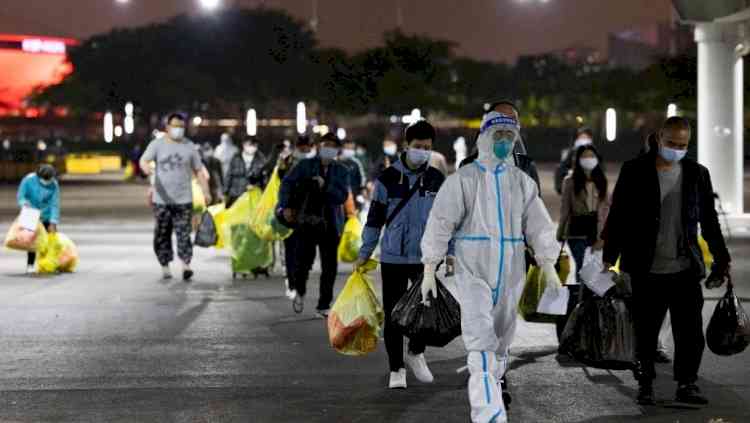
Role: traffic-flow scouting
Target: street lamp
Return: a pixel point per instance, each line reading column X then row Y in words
column 210, row 4
column 122, row 1
column 671, row 110
column 251, row 122
column 129, row 120
column 301, row 118
column 109, row 127
column 341, row 134
column 611, row 124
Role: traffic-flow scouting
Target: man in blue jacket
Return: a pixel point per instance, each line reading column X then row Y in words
column 324, row 181
column 41, row 191
column 402, row 201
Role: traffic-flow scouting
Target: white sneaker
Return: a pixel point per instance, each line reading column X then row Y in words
column 166, row 273
column 30, row 270
column 397, row 380
column 418, row 366
column 290, row 293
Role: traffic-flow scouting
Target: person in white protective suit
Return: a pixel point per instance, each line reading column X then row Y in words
column 225, row 152
column 489, row 207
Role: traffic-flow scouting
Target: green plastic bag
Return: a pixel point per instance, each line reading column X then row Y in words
column 263, row 221
column 248, row 251
column 351, row 241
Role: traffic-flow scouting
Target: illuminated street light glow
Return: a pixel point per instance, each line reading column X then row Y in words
column 251, row 122
column 415, row 116
column 671, row 110
column 611, row 124
column 301, row 118
column 129, row 109
column 118, row 131
column 109, row 127
column 210, row 4
column 341, row 134
column 129, row 125
column 197, row 121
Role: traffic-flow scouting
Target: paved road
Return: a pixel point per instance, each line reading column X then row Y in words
column 114, row 343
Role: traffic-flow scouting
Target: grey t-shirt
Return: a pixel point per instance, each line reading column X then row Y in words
column 668, row 258
column 175, row 164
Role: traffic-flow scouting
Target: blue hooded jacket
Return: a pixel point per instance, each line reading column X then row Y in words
column 402, row 238
column 46, row 198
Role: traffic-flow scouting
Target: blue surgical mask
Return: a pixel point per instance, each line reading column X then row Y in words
column 417, row 156
column 671, row 155
column 328, row 153
column 502, row 148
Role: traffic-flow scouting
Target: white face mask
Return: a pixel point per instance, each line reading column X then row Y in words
column 390, row 150
column 589, row 163
column 417, row 156
column 580, row 142
column 45, row 182
column 250, row 149
column 176, row 134
column 348, row 153
column 329, row 153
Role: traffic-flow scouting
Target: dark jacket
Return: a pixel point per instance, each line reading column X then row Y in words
column 523, row 162
column 239, row 176
column 401, row 242
column 382, row 164
column 356, row 174
column 336, row 188
column 634, row 217
column 216, row 177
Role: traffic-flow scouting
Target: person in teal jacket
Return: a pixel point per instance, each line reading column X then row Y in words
column 41, row 191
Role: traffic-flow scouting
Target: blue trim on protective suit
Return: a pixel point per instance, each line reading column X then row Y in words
column 501, row 219
column 498, row 414
column 486, row 381
column 473, row 238
column 480, row 166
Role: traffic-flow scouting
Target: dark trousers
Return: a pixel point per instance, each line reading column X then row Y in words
column 681, row 294
column 173, row 218
column 31, row 257
column 290, row 256
column 396, row 278
column 578, row 249
column 327, row 242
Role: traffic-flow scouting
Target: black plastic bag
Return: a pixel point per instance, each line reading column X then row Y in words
column 206, row 235
column 307, row 200
column 435, row 325
column 728, row 330
column 600, row 333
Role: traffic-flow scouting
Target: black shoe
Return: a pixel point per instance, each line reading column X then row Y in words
column 690, row 394
column 662, row 357
column 646, row 395
column 187, row 274
column 507, row 399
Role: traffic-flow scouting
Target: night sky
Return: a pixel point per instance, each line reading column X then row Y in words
column 497, row 30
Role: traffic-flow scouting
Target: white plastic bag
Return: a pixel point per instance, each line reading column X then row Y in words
column 29, row 218
column 593, row 275
column 554, row 302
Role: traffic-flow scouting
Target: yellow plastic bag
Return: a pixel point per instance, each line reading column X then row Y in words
column 129, row 172
column 263, row 221
column 22, row 239
column 199, row 199
column 218, row 212
column 351, row 241
column 357, row 317
column 708, row 258
column 60, row 255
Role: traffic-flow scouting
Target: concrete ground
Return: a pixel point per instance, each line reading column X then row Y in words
column 113, row 343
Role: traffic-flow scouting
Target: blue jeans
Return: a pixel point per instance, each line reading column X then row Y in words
column 578, row 248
